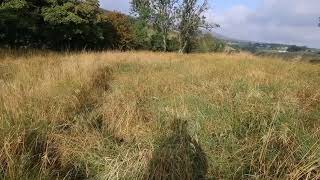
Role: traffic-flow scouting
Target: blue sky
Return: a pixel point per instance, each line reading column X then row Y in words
column 277, row 21
column 226, row 4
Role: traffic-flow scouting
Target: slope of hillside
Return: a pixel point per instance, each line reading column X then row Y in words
column 264, row 47
column 142, row 115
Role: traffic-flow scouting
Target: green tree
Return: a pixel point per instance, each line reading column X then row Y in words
column 73, row 23
column 167, row 17
column 142, row 37
column 190, row 20
column 55, row 24
column 141, row 11
column 21, row 22
column 159, row 14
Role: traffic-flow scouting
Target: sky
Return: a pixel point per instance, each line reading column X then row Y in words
column 273, row 21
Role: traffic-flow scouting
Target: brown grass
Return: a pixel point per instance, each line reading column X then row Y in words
column 116, row 115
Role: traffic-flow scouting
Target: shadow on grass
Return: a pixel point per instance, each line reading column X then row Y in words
column 178, row 156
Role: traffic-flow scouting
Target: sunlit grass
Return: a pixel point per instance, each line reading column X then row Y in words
column 139, row 115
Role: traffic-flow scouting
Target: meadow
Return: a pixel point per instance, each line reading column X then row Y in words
column 144, row 115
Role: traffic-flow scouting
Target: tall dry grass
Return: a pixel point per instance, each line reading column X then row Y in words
column 143, row 115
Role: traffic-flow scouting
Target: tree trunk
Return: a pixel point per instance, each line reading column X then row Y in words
column 165, row 44
column 183, row 47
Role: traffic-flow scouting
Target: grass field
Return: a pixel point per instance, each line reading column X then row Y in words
column 143, row 115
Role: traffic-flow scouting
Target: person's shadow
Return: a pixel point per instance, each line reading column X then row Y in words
column 178, row 156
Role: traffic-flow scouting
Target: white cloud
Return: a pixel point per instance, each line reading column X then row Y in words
column 235, row 15
column 281, row 21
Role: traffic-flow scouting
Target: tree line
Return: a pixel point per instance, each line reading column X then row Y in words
column 168, row 17
column 158, row 25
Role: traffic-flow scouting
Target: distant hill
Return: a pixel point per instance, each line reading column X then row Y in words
column 228, row 39
column 255, row 46
column 105, row 11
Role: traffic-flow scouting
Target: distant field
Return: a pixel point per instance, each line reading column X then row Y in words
column 142, row 115
column 293, row 56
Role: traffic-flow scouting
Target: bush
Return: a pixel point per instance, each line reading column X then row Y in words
column 125, row 37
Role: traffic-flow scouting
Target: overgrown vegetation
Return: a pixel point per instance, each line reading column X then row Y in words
column 185, row 18
column 82, row 25
column 140, row 115
column 57, row 24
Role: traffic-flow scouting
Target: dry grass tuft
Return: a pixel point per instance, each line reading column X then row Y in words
column 101, row 78
column 178, row 156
